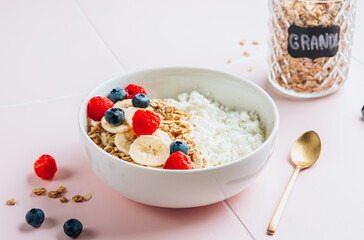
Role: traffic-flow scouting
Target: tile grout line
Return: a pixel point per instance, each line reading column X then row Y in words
column 106, row 46
column 238, row 218
column 357, row 60
column 19, row 104
column 116, row 59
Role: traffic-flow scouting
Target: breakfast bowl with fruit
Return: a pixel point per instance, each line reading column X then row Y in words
column 178, row 137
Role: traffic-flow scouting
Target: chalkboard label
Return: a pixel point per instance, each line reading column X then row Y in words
column 313, row 42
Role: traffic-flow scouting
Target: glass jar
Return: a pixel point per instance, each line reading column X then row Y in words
column 310, row 45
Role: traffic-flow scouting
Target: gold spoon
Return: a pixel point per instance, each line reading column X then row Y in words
column 304, row 153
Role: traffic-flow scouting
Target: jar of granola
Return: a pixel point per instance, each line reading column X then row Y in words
column 310, row 45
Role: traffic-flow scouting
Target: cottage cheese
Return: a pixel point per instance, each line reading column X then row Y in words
column 222, row 134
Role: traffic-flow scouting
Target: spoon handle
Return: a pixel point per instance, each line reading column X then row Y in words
column 282, row 203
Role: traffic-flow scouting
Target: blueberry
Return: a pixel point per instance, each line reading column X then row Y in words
column 179, row 145
column 362, row 111
column 140, row 100
column 117, row 94
column 72, row 228
column 35, row 217
column 115, row 116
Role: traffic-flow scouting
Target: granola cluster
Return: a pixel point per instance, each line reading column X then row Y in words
column 59, row 194
column 39, row 191
column 10, row 202
column 306, row 75
column 56, row 193
column 173, row 121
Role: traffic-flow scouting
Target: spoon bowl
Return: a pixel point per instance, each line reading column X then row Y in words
column 306, row 150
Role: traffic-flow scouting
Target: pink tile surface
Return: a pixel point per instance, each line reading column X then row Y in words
column 197, row 33
column 53, row 129
column 328, row 200
column 49, row 48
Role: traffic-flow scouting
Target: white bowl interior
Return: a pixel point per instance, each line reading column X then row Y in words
column 225, row 88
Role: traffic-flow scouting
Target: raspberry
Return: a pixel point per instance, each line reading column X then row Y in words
column 45, row 167
column 133, row 90
column 145, row 122
column 97, row 106
column 179, row 161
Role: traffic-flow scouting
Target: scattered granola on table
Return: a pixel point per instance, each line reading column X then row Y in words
column 10, row 202
column 61, row 189
column 39, row 191
column 63, row 200
column 56, row 193
column 77, row 198
column 53, row 194
column 87, row 196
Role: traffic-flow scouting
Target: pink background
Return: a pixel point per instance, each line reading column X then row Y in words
column 54, row 52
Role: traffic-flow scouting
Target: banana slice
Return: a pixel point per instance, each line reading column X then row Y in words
column 163, row 135
column 123, row 103
column 114, row 129
column 149, row 150
column 124, row 140
column 129, row 114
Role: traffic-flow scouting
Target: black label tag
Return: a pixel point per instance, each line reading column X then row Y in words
column 313, row 42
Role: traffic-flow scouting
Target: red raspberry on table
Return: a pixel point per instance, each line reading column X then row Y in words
column 145, row 122
column 97, row 106
column 179, row 161
column 45, row 167
column 133, row 90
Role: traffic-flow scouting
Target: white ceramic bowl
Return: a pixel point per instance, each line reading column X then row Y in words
column 184, row 188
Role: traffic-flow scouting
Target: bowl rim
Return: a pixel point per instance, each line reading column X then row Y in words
column 175, row 171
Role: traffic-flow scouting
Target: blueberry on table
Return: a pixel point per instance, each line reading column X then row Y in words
column 115, row 116
column 362, row 111
column 117, row 94
column 140, row 100
column 35, row 217
column 72, row 228
column 179, row 145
